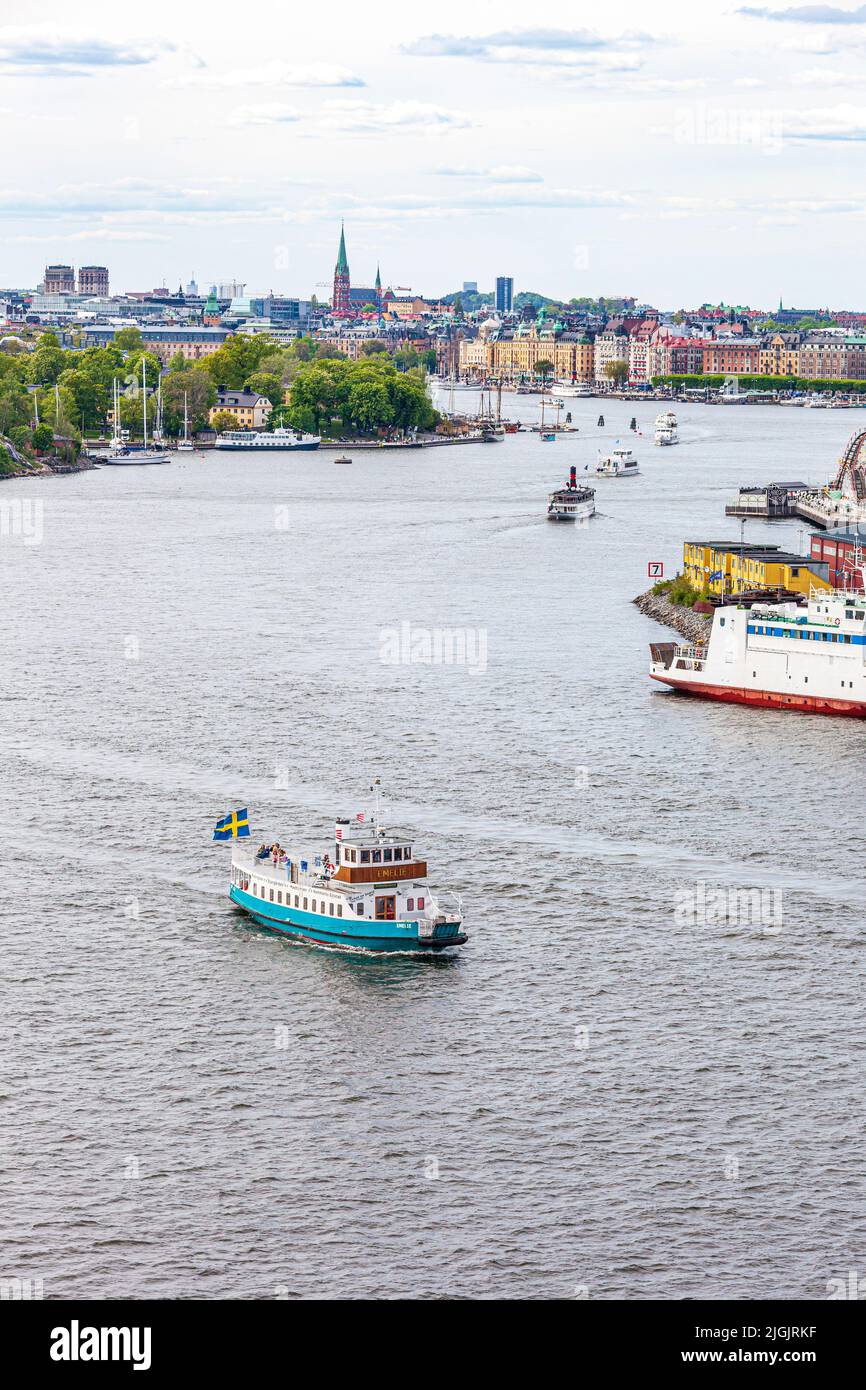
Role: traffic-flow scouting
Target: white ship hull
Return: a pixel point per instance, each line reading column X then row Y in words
column 777, row 656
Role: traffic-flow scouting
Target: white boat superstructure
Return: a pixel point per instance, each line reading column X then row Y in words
column 666, row 428
column 571, row 503
column 777, row 655
column 619, row 463
column 573, row 390
column 278, row 439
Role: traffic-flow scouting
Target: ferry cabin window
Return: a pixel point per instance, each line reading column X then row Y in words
column 410, row 904
column 279, row 896
column 305, row 904
column 377, row 856
column 339, row 909
column 386, row 854
column 398, row 854
column 296, row 900
column 360, row 909
column 272, row 895
column 331, row 909
column 407, row 852
column 365, row 856
column 420, row 904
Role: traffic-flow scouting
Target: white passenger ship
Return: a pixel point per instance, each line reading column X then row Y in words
column 666, row 428
column 777, row 656
column 619, row 463
column 572, row 390
column 278, row 439
column 372, row 895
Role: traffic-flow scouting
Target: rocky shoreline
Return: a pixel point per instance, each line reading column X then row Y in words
column 695, row 627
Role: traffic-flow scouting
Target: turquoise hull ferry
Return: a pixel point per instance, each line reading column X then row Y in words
column 371, row 896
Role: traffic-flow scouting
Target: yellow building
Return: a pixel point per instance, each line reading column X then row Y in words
column 780, row 355
column 727, row 567
column 249, row 408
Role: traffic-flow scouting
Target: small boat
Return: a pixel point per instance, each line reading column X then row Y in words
column 619, row 463
column 547, row 438
column 571, row 503
column 372, row 895
column 666, row 428
column 342, row 460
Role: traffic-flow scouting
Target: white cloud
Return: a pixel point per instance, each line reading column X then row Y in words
column 43, row 50
column 274, row 74
column 498, row 173
column 834, row 123
column 363, row 118
column 268, row 113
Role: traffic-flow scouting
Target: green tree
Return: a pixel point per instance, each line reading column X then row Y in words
column 45, row 365
column 223, row 420
column 373, row 346
column 369, row 404
column 267, row 384
column 43, row 438
column 201, row 394
column 616, row 371
column 544, row 368
column 129, row 339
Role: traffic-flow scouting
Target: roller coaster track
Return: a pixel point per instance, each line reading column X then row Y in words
column 851, row 477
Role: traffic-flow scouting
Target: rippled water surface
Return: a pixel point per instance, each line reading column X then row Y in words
column 590, row 1095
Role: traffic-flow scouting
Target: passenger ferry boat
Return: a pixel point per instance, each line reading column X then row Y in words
column 574, row 390
column 777, row 656
column 666, row 428
column 571, row 503
column 372, row 895
column 279, row 438
column 619, row 463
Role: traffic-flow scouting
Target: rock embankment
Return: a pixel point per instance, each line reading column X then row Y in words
column 695, row 627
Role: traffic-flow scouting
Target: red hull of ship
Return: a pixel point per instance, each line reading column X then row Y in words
column 768, row 699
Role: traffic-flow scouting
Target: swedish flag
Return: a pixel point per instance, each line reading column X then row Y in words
column 234, row 826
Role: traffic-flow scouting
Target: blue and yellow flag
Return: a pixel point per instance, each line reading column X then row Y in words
column 234, row 826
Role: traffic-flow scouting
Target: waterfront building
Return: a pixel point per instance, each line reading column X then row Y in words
column 824, row 356
column 780, row 354
column 504, row 294
column 732, row 357
column 844, row 551
column 341, row 299
column 249, row 408
column 732, row 567
column 59, row 279
column 638, row 350
column 93, row 280
column 611, row 345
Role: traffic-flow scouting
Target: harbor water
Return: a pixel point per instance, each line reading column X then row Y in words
column 608, row 1092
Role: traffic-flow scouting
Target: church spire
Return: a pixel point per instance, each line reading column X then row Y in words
column 341, row 301
column 342, row 261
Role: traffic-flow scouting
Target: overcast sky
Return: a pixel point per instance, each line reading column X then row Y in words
column 675, row 151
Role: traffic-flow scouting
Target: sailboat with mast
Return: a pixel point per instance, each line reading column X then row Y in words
column 120, row 452
column 186, row 442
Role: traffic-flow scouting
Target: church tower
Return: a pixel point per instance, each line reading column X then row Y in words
column 341, row 302
column 378, row 290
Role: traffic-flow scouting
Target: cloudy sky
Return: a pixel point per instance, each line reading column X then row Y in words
column 677, row 152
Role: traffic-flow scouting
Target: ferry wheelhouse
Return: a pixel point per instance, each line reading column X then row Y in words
column 372, row 895
column 777, row 656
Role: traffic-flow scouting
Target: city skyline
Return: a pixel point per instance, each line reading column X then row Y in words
column 675, row 156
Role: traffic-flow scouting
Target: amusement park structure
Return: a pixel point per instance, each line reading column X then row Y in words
column 850, row 480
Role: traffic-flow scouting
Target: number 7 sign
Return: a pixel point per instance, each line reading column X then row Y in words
column 655, row 569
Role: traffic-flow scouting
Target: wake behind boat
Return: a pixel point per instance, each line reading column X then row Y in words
column 372, row 895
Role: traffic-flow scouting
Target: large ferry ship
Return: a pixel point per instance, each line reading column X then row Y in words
column 372, row 895
column 777, row 656
column 572, row 502
column 279, row 438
